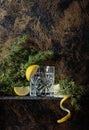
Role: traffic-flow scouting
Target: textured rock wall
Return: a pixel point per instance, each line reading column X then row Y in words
column 60, row 25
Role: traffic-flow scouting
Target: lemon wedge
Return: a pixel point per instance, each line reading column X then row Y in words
column 30, row 71
column 22, row 91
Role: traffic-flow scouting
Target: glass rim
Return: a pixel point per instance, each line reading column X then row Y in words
column 46, row 66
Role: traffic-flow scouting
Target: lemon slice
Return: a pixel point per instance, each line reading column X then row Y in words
column 30, row 71
column 22, row 91
column 65, row 118
column 56, row 88
column 57, row 91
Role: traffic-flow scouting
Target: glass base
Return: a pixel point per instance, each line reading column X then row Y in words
column 42, row 94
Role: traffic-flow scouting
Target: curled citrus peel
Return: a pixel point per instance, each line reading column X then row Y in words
column 65, row 118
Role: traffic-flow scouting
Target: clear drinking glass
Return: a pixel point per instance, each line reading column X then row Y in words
column 42, row 82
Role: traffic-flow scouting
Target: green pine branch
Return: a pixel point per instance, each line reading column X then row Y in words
column 76, row 91
column 13, row 67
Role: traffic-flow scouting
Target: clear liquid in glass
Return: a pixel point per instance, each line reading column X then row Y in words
column 42, row 82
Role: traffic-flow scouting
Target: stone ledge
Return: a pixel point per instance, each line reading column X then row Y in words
column 27, row 98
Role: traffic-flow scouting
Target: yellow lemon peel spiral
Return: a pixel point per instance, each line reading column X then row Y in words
column 65, row 118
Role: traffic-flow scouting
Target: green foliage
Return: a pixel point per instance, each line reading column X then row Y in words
column 39, row 57
column 1, row 46
column 76, row 91
column 71, row 88
column 13, row 67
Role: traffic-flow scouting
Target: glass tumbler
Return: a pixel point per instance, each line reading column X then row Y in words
column 41, row 84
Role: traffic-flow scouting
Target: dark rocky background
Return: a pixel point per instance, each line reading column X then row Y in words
column 59, row 25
